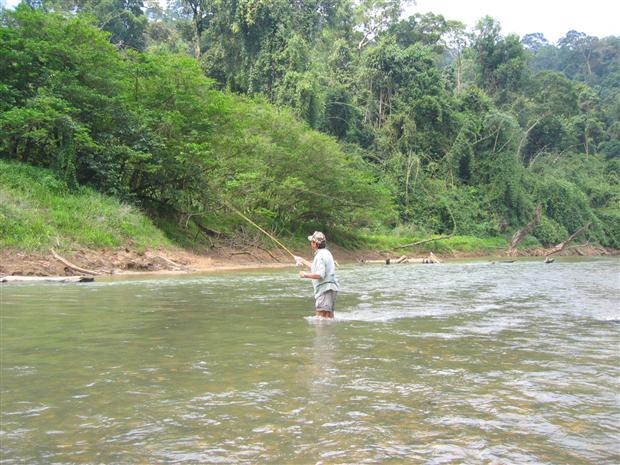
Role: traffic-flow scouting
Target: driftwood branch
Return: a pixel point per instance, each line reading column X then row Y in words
column 424, row 241
column 562, row 245
column 404, row 259
column 268, row 252
column 245, row 252
column 521, row 233
column 174, row 265
column 55, row 279
column 70, row 265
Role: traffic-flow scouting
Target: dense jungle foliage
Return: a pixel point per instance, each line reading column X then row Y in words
column 332, row 114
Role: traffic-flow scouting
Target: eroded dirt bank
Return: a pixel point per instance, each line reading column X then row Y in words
column 125, row 261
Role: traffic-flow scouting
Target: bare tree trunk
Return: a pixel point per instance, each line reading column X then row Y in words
column 523, row 139
column 521, row 233
column 459, row 68
column 196, row 42
column 408, row 176
column 586, row 57
column 562, row 245
column 197, row 7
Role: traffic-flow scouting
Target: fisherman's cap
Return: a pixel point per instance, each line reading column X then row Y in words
column 317, row 237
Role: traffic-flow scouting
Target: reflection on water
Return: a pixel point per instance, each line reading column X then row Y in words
column 462, row 363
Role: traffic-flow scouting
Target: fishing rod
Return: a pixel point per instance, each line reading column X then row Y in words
column 263, row 231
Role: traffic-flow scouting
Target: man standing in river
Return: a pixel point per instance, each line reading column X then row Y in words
column 323, row 275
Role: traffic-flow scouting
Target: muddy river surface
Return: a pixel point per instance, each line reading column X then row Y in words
column 458, row 363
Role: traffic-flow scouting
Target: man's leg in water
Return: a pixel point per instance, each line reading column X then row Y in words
column 325, row 304
column 324, row 313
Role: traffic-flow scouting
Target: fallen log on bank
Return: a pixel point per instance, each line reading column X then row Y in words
column 401, row 260
column 70, row 265
column 521, row 233
column 562, row 245
column 175, row 266
column 53, row 279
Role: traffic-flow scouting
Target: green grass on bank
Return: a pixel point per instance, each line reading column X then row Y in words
column 37, row 212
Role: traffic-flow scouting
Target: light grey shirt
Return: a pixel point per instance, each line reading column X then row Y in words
column 323, row 264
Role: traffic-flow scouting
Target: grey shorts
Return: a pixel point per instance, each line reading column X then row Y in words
column 326, row 301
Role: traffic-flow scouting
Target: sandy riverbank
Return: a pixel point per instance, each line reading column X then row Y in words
column 125, row 261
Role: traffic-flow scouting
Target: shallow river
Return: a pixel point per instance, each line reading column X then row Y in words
column 458, row 363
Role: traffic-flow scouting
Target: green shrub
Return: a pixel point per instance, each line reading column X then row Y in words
column 564, row 203
column 549, row 232
column 610, row 224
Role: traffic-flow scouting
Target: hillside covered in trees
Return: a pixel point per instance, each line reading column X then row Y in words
column 329, row 114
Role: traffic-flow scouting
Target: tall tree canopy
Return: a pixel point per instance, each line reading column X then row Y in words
column 391, row 119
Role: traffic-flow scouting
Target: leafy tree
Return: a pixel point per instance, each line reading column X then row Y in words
column 201, row 12
column 374, row 16
column 456, row 40
column 579, row 49
column 553, row 100
column 123, row 19
column 427, row 29
column 534, row 42
column 588, row 126
column 501, row 61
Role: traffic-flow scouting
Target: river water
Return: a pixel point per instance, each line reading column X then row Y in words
column 458, row 363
